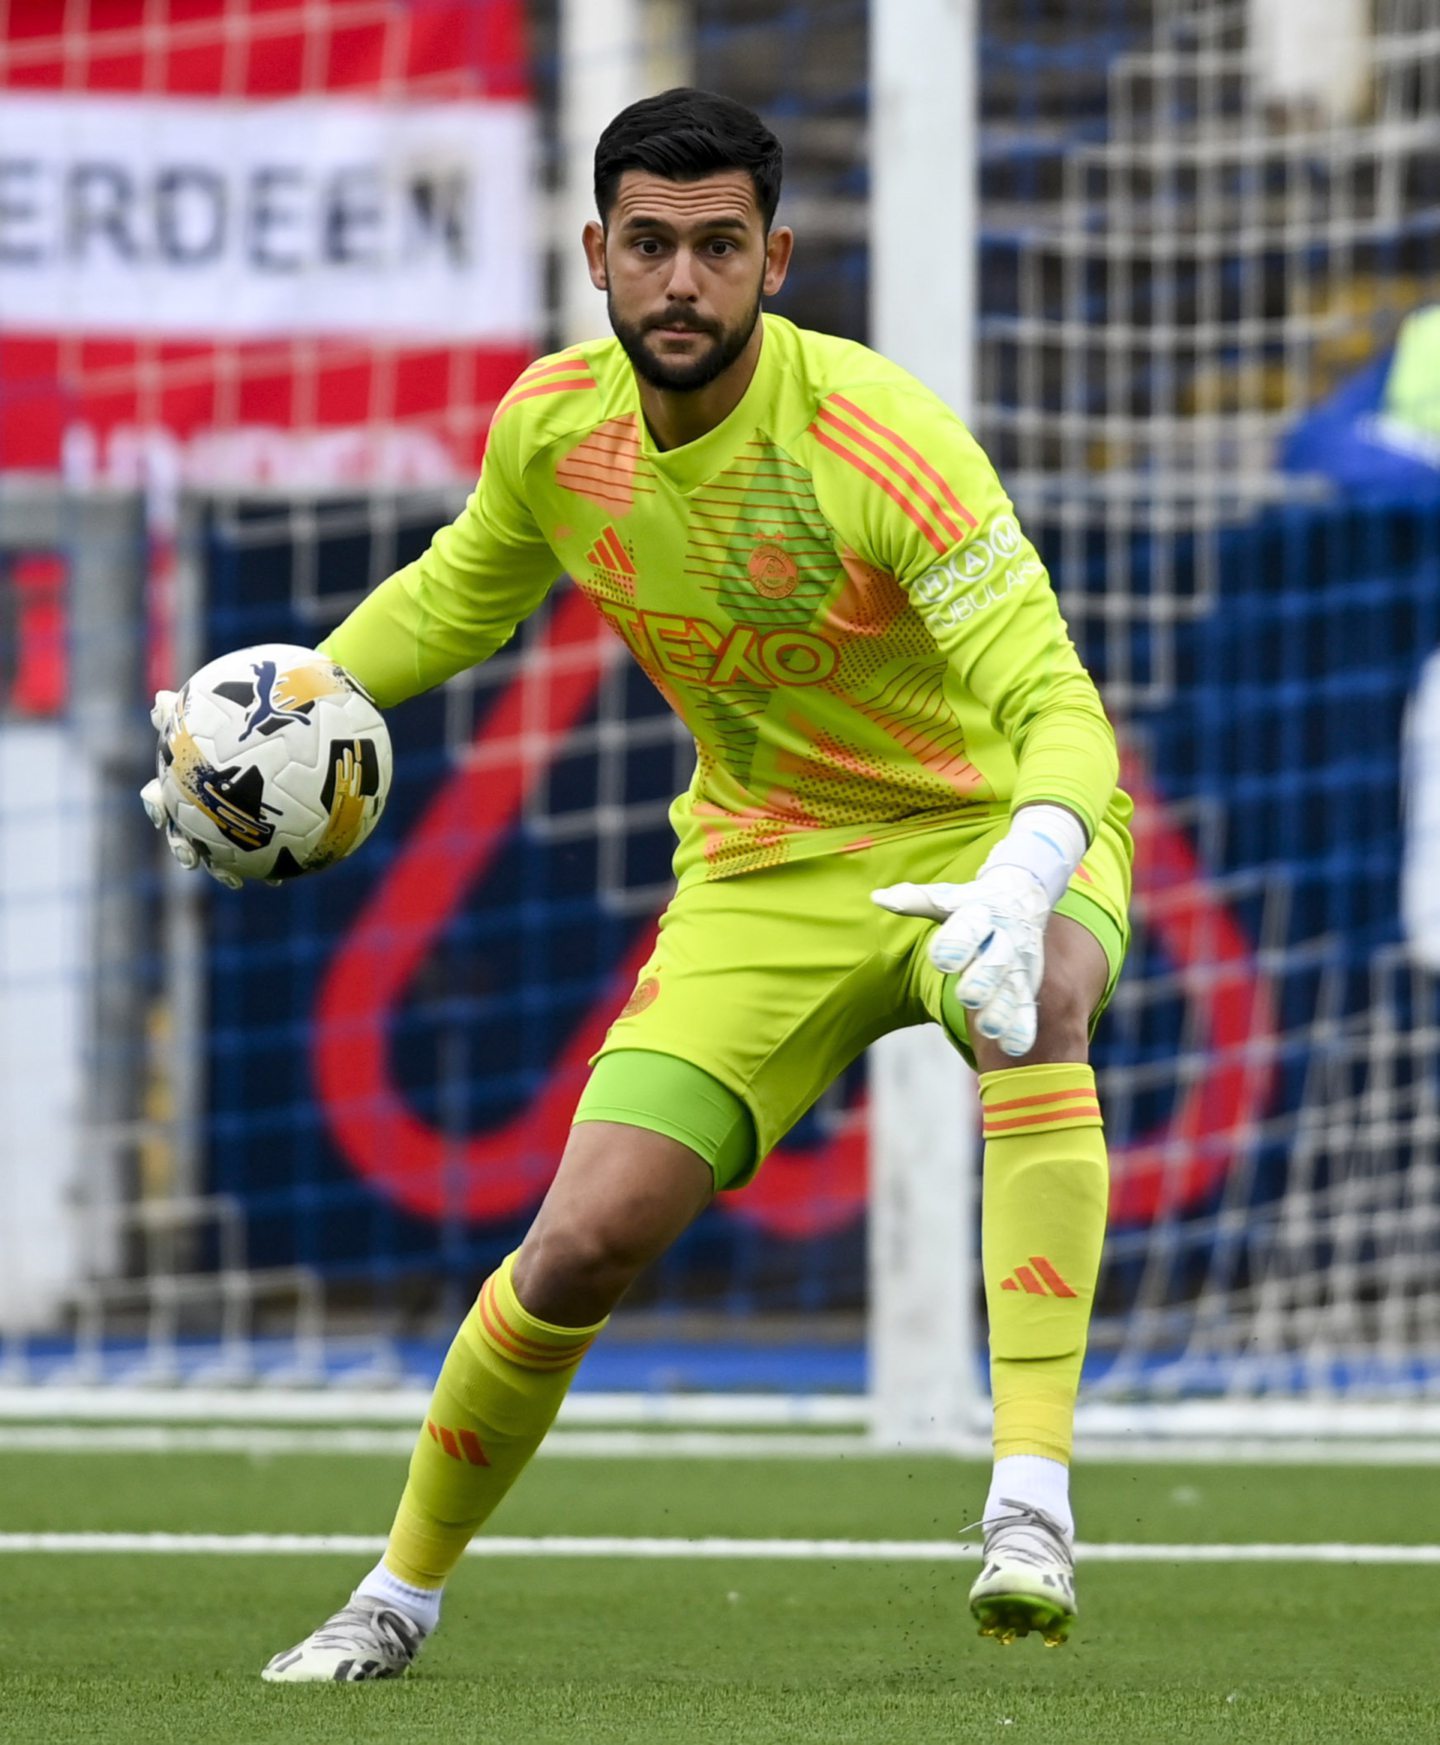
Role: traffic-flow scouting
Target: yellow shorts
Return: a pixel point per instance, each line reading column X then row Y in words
column 773, row 982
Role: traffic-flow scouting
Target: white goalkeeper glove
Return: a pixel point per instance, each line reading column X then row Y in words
column 992, row 930
column 179, row 844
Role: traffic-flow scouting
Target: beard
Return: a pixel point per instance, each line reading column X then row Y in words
column 682, row 376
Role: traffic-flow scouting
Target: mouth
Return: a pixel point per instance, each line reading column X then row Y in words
column 678, row 330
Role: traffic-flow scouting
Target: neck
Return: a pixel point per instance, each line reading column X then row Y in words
column 675, row 419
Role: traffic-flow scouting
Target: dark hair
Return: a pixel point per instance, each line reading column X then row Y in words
column 683, row 135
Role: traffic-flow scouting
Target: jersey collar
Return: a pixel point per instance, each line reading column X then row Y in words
column 693, row 463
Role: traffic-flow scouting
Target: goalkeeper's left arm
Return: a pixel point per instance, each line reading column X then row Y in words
column 1015, row 656
column 990, row 607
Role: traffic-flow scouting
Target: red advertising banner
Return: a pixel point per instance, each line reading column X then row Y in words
column 262, row 241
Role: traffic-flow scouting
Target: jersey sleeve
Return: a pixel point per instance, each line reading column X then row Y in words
column 459, row 602
column 925, row 506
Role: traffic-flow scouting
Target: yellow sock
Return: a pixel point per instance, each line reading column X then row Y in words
column 1042, row 1226
column 497, row 1394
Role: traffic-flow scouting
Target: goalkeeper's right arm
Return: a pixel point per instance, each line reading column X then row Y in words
column 453, row 607
column 447, row 611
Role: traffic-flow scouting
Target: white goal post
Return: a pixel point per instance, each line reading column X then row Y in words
column 924, row 1149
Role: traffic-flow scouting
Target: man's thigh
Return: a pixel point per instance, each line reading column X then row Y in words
column 772, row 983
column 1098, row 898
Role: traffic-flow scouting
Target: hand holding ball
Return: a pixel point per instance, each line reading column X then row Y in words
column 272, row 763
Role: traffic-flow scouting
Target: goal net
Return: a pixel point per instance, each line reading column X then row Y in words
column 1205, row 243
column 289, row 1131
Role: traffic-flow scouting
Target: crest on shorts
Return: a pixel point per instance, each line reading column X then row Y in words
column 647, row 991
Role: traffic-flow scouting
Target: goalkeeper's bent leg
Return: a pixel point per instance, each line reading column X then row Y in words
column 620, row 1198
column 1046, row 1185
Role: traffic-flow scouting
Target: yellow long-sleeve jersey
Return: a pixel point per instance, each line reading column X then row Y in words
column 830, row 588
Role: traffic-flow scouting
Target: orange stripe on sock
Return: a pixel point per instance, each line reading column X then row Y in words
column 1034, row 1102
column 937, row 479
column 448, row 1442
column 941, row 546
column 430, row 1426
column 1085, row 1109
column 1028, row 1281
column 541, row 1357
column 489, row 1295
column 540, row 1347
column 527, row 1359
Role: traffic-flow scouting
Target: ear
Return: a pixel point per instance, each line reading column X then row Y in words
column 594, row 240
column 778, row 248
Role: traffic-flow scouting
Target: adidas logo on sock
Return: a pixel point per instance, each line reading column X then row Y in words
column 458, row 1444
column 1039, row 1279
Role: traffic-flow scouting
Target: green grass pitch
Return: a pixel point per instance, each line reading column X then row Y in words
column 167, row 1648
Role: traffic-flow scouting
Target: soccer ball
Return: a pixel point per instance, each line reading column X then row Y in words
column 273, row 762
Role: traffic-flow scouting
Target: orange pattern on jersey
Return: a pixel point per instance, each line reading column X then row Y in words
column 561, row 375
column 850, row 442
column 910, row 708
column 604, row 467
column 942, row 761
column 870, row 601
column 879, row 479
column 607, row 553
column 913, row 455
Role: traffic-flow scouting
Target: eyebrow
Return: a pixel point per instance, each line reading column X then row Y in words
column 646, row 220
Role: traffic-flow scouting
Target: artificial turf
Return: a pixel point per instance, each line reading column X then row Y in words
column 159, row 1648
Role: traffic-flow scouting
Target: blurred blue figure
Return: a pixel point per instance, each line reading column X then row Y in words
column 1379, row 433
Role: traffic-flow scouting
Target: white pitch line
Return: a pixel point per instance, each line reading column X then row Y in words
column 783, row 1550
column 407, row 1406
column 263, row 1444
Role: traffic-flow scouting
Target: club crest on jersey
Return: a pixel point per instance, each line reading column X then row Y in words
column 773, row 572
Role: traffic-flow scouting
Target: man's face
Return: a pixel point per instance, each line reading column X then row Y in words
column 683, row 266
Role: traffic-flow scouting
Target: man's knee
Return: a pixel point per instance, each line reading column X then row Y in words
column 575, row 1263
column 621, row 1196
column 1076, row 974
column 1067, row 1004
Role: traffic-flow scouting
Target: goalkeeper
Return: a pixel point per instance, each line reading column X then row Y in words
column 904, row 808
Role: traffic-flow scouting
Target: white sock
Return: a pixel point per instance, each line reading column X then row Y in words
column 1030, row 1478
column 420, row 1603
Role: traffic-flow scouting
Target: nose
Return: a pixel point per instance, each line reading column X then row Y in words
column 683, row 287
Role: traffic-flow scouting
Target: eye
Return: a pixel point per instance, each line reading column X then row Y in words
column 721, row 245
column 649, row 246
